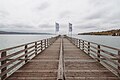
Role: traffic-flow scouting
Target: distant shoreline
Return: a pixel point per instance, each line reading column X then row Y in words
column 109, row 32
column 29, row 33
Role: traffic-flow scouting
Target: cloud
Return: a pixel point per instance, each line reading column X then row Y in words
column 85, row 15
column 43, row 6
column 85, row 27
column 97, row 15
column 3, row 14
column 64, row 14
column 46, row 26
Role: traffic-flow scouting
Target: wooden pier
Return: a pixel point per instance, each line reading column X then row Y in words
column 59, row 58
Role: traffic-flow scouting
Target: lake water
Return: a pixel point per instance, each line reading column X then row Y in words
column 113, row 41
column 14, row 40
column 7, row 41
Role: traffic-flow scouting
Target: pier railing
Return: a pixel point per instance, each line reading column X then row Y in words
column 106, row 55
column 13, row 58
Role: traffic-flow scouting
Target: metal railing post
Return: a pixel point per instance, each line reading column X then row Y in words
column 3, row 54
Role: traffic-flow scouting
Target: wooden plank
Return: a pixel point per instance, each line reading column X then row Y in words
column 89, row 60
column 37, row 70
column 32, row 78
column 48, row 60
column 92, row 78
column 86, row 71
column 60, row 75
column 97, row 52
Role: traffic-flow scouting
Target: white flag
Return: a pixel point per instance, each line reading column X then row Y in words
column 57, row 27
column 70, row 27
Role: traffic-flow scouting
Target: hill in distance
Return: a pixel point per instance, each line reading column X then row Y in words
column 6, row 32
column 109, row 32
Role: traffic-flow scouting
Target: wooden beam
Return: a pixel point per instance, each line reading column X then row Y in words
column 60, row 75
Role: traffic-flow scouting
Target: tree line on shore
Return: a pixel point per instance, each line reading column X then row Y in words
column 109, row 32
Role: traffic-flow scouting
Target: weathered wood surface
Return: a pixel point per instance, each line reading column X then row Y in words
column 77, row 65
column 42, row 67
column 80, row 66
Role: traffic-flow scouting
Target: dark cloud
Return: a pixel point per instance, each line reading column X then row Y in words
column 43, row 6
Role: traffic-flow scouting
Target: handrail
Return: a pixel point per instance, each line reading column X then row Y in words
column 13, row 57
column 101, row 53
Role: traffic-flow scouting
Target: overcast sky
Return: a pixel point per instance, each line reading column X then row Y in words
column 41, row 15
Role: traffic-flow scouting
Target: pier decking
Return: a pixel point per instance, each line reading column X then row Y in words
column 63, row 61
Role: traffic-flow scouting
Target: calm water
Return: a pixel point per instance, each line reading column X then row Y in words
column 14, row 40
column 113, row 41
column 7, row 41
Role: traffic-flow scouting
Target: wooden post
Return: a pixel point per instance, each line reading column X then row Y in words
column 98, row 53
column 25, row 53
column 41, row 45
column 119, row 62
column 83, row 46
column 75, row 41
column 45, row 43
column 48, row 42
column 88, row 48
column 35, row 48
column 78, row 43
column 3, row 54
